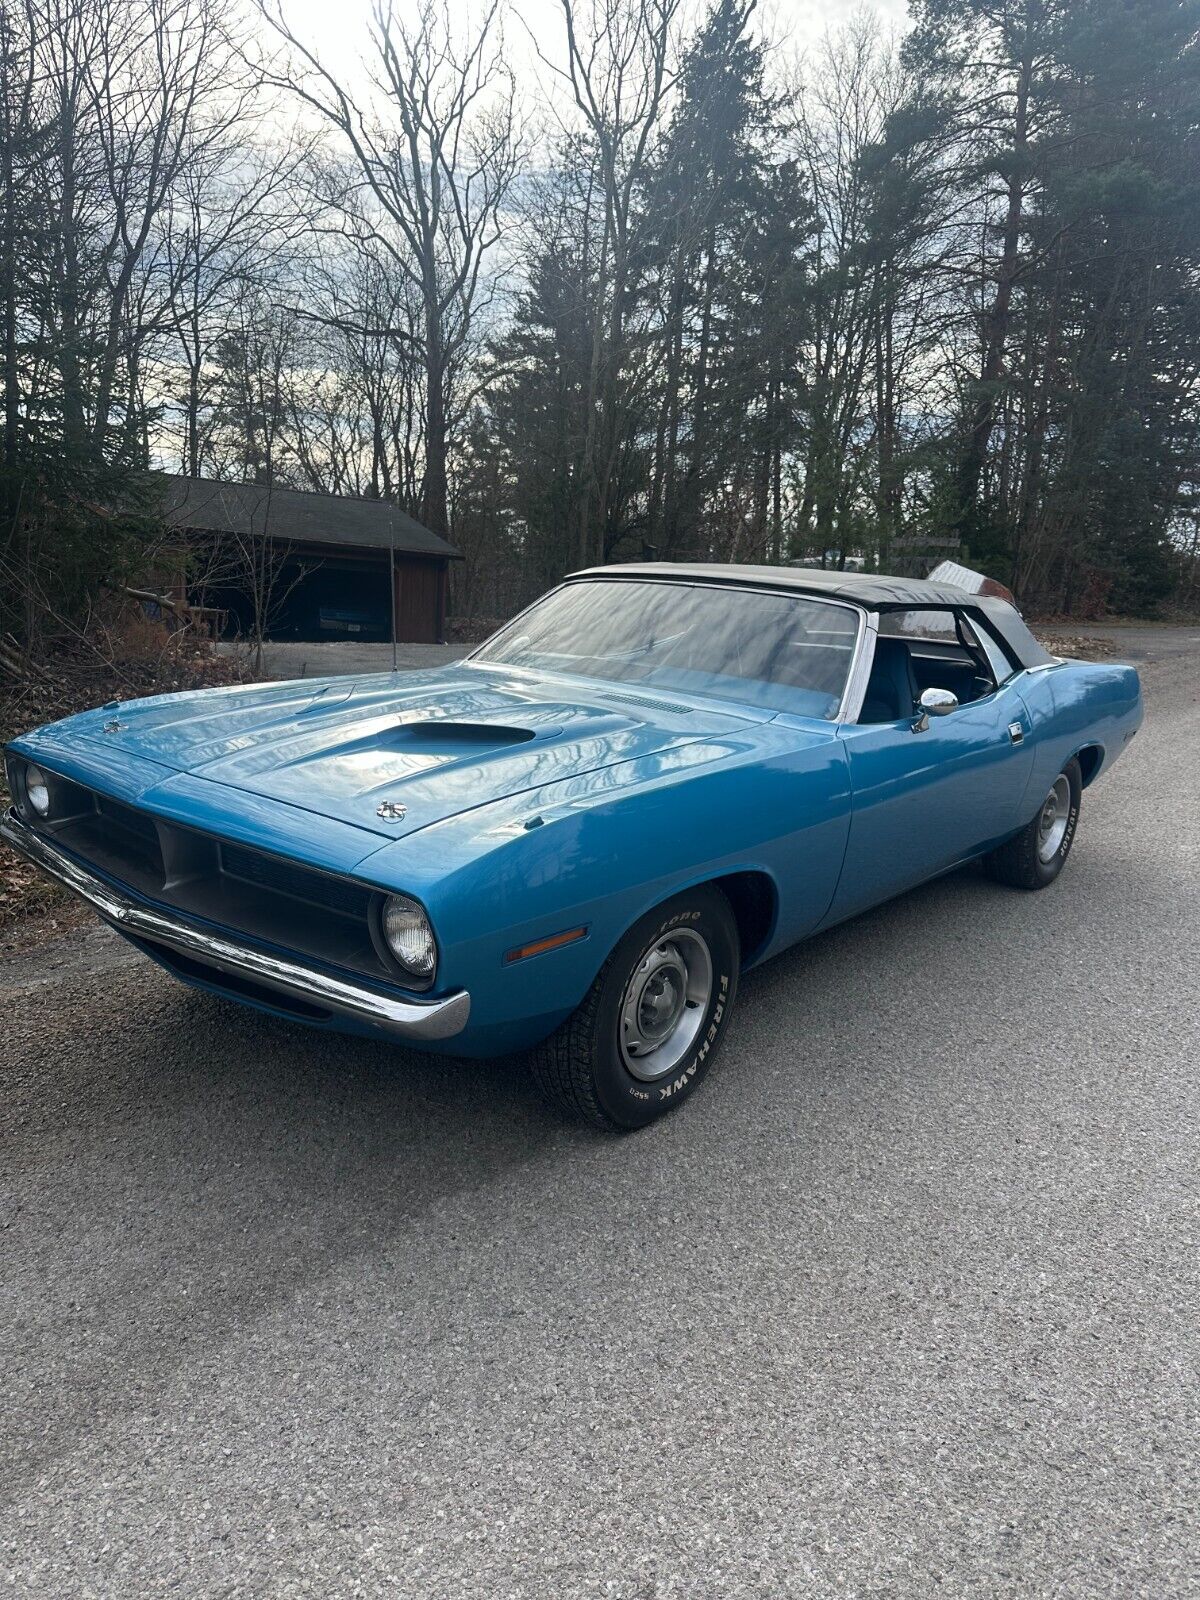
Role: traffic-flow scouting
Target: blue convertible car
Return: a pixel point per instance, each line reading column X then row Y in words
column 574, row 841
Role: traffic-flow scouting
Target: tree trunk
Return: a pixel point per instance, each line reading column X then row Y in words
column 12, row 388
column 68, row 354
column 436, row 515
column 887, row 501
column 996, row 323
column 692, row 507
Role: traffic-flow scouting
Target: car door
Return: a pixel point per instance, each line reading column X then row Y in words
column 929, row 792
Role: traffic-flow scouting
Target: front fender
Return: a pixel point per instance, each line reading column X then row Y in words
column 600, row 850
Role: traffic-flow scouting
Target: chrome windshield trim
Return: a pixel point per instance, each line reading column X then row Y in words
column 288, row 976
column 860, row 668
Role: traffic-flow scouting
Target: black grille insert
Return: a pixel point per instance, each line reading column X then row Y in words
column 122, row 816
column 316, row 888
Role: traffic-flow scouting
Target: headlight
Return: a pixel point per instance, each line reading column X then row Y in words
column 409, row 937
column 37, row 791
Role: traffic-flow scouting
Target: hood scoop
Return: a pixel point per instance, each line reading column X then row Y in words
column 426, row 741
column 462, row 735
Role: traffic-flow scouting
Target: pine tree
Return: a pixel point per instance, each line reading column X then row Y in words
column 535, row 413
column 730, row 232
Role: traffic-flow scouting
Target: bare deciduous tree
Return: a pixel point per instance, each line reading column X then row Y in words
column 619, row 70
column 436, row 152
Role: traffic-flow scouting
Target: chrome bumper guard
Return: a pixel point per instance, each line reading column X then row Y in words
column 406, row 1019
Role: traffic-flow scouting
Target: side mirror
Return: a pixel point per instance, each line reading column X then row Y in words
column 933, row 703
column 938, row 702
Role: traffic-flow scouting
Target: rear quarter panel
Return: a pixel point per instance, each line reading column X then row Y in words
column 1078, row 706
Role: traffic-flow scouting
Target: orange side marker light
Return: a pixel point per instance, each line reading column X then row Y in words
column 540, row 946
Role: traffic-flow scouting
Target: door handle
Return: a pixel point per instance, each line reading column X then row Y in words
column 1016, row 733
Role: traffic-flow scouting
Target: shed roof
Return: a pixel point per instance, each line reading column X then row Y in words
column 206, row 505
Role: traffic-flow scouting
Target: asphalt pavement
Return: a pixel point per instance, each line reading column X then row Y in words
column 904, row 1303
column 286, row 658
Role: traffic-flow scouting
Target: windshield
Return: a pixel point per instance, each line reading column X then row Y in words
column 775, row 651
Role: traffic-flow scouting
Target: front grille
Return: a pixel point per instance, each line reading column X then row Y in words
column 122, row 816
column 243, row 890
column 285, row 877
column 131, row 833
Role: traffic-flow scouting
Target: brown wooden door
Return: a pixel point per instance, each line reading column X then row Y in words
column 417, row 599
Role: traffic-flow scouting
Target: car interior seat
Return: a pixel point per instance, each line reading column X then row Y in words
column 892, row 686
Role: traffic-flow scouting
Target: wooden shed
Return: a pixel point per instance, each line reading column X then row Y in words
column 319, row 563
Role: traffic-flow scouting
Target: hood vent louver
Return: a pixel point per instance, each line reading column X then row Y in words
column 648, row 704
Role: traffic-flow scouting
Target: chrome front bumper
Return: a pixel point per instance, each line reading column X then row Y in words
column 342, row 997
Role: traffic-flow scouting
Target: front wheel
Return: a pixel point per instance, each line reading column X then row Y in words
column 1039, row 852
column 648, row 1029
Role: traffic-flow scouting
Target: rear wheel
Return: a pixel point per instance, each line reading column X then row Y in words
column 1036, row 856
column 649, row 1027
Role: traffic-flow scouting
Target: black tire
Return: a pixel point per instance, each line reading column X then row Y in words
column 1020, row 862
column 582, row 1066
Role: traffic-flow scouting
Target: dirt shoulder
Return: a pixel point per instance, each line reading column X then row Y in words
column 77, row 680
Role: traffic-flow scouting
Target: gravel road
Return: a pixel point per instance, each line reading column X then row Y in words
column 904, row 1304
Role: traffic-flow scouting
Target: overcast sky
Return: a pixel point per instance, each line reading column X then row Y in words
column 338, row 27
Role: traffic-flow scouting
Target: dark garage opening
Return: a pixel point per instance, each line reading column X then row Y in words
column 316, row 600
column 332, row 600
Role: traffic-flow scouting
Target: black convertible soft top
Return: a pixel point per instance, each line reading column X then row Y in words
column 873, row 591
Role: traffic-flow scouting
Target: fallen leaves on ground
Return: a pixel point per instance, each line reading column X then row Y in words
column 1079, row 646
column 76, row 680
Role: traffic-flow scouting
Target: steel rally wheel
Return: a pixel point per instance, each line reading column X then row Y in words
column 649, row 1028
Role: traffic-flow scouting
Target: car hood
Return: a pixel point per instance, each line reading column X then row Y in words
column 420, row 746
